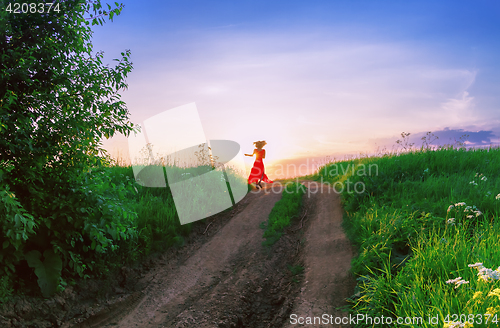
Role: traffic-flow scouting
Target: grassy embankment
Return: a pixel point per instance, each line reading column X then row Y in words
column 422, row 219
column 157, row 219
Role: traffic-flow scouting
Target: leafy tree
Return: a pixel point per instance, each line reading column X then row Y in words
column 57, row 102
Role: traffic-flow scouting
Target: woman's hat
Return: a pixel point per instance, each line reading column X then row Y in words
column 260, row 144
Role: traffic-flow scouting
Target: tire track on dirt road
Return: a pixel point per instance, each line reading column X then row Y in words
column 327, row 258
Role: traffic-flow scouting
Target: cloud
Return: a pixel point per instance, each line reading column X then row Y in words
column 474, row 138
column 446, row 136
column 224, row 26
column 296, row 86
column 460, row 109
column 213, row 90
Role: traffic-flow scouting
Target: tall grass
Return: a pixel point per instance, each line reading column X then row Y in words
column 157, row 222
column 414, row 234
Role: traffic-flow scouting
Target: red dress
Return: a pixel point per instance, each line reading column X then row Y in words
column 257, row 174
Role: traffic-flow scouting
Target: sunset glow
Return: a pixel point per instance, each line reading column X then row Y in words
column 314, row 79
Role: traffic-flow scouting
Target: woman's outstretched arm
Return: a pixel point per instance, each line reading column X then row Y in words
column 251, row 153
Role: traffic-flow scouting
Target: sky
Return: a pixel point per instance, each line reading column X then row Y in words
column 313, row 78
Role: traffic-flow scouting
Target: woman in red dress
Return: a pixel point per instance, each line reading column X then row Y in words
column 258, row 173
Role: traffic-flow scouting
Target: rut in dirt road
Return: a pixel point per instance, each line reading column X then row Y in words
column 327, row 257
column 234, row 281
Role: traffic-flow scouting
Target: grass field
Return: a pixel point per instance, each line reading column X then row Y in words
column 426, row 225
column 157, row 220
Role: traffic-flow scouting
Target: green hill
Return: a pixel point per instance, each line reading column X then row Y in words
column 426, row 224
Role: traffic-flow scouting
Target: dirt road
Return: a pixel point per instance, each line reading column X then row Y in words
column 231, row 280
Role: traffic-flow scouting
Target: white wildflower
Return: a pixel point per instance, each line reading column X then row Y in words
column 457, row 281
column 461, row 282
column 460, row 204
column 478, row 213
column 497, row 196
column 486, row 274
column 450, row 221
column 451, row 207
column 484, row 178
column 453, row 281
column 473, row 183
column 470, row 216
column 468, row 208
column 475, row 265
column 454, row 324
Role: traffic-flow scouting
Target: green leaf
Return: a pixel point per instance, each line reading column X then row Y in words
column 48, row 271
column 11, row 266
column 18, row 219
